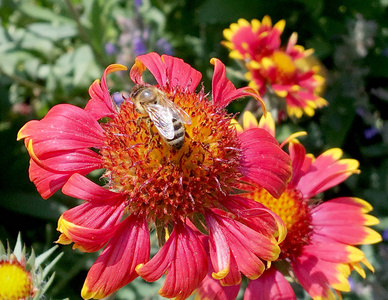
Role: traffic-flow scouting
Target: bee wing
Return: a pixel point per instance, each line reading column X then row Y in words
column 162, row 117
column 177, row 111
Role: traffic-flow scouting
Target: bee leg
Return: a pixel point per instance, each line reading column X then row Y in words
column 149, row 125
column 151, row 133
column 138, row 123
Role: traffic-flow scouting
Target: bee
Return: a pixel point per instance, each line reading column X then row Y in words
column 167, row 117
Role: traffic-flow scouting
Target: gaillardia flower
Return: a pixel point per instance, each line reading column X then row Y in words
column 286, row 73
column 22, row 278
column 183, row 193
column 253, row 41
column 319, row 249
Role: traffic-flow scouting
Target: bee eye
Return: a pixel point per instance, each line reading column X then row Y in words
column 146, row 94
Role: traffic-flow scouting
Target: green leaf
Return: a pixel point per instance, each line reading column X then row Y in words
column 42, row 257
column 336, row 120
column 314, row 7
column 83, row 57
column 42, row 13
column 53, row 31
column 31, row 204
column 227, row 11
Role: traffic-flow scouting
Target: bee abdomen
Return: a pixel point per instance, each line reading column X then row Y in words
column 179, row 135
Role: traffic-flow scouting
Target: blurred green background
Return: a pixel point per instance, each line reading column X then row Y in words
column 51, row 51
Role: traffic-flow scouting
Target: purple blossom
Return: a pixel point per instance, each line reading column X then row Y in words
column 164, row 47
column 137, row 4
column 371, row 132
column 110, row 48
column 118, row 98
column 139, row 46
column 385, row 235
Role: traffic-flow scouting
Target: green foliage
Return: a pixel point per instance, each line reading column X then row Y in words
column 51, row 51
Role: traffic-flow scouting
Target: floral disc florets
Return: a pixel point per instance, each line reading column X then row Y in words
column 163, row 183
column 15, row 281
column 294, row 212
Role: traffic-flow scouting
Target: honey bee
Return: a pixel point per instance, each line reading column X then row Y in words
column 167, row 117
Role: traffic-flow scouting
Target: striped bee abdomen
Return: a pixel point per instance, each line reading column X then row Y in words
column 179, row 135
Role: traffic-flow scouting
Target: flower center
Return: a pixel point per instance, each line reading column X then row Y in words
column 285, row 66
column 15, row 281
column 164, row 183
column 294, row 212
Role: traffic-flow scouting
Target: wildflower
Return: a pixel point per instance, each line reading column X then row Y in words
column 255, row 40
column 110, row 48
column 319, row 249
column 21, row 278
column 182, row 194
column 290, row 73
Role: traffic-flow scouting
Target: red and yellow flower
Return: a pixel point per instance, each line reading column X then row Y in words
column 184, row 195
column 255, row 40
column 288, row 73
column 15, row 281
column 22, row 278
column 319, row 249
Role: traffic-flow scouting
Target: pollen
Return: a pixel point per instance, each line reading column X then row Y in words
column 15, row 281
column 294, row 212
column 162, row 183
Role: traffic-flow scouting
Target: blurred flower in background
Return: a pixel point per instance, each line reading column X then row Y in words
column 289, row 79
column 22, row 277
column 318, row 250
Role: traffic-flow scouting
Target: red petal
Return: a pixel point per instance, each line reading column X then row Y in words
column 257, row 216
column 100, row 105
column 246, row 245
column 300, row 163
column 325, row 172
column 97, row 106
column 211, row 289
column 342, row 211
column 96, row 214
column 91, row 224
column 351, row 235
column 184, row 259
column 99, row 212
column 84, row 238
column 271, row 285
column 316, row 275
column 180, row 73
column 334, row 252
column 264, row 162
column 71, row 161
column 82, row 188
column 48, row 182
column 115, row 267
column 234, row 277
column 151, row 61
column 219, row 249
column 65, row 127
column 223, row 90
column 167, row 70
